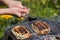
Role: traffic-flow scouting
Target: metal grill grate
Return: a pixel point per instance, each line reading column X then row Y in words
column 53, row 35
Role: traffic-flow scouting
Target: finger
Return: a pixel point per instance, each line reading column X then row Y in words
column 26, row 13
column 19, row 6
column 22, row 7
column 18, row 14
column 23, row 14
column 28, row 10
column 23, row 10
column 19, row 3
column 25, row 7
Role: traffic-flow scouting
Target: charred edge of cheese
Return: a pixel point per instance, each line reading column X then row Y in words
column 45, row 30
column 19, row 34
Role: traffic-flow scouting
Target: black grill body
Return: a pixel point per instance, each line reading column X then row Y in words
column 55, row 30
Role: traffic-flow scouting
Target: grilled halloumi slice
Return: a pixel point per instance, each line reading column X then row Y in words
column 21, row 32
column 41, row 27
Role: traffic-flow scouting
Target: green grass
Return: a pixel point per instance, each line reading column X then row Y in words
column 44, row 9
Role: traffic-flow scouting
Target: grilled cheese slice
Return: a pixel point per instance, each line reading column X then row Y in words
column 41, row 27
column 21, row 32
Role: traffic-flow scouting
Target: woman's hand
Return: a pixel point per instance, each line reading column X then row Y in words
column 16, row 7
column 15, row 11
column 18, row 11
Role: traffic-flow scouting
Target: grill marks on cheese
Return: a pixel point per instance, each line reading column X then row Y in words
column 41, row 25
column 20, row 30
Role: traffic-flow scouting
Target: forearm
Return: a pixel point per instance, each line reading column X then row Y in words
column 2, row 11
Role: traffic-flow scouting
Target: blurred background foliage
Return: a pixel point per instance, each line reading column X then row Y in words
column 41, row 8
